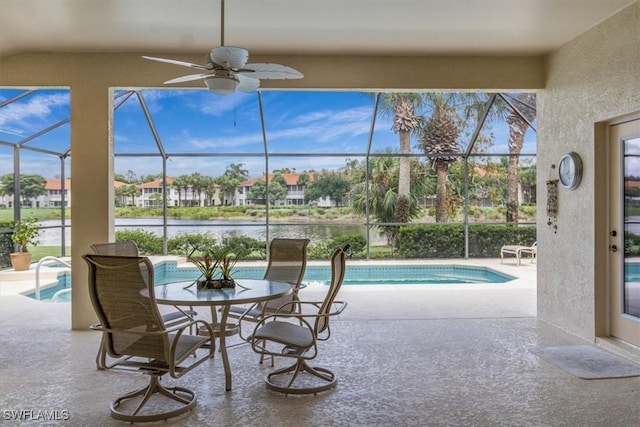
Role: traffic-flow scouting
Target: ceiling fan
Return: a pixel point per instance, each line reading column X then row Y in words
column 226, row 69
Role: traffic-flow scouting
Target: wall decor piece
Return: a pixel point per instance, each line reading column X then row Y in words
column 552, row 202
column 570, row 170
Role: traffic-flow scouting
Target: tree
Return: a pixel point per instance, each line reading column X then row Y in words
column 277, row 188
column 304, row 179
column 332, row 185
column 130, row 190
column 198, row 184
column 383, row 190
column 258, row 192
column 233, row 176
column 150, row 177
column 526, row 104
column 156, row 198
column 285, row 170
column 439, row 136
column 527, row 178
column 209, row 188
column 405, row 121
column 131, row 177
column 31, row 186
column 181, row 184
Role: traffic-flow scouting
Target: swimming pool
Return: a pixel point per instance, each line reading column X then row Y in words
column 166, row 272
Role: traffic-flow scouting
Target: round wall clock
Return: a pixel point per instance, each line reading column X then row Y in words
column 570, row 170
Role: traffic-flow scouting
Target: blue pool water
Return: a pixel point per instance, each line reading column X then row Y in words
column 167, row 272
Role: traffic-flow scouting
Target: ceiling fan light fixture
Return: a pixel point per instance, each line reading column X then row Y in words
column 222, row 85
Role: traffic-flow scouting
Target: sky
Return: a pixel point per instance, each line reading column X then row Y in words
column 226, row 128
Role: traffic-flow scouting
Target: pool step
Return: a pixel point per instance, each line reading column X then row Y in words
column 46, row 273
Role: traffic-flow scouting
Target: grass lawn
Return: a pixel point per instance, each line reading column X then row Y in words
column 6, row 214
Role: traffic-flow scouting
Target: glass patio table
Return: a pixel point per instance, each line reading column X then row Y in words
column 245, row 291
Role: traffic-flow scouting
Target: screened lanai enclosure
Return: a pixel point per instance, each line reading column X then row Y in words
column 398, row 175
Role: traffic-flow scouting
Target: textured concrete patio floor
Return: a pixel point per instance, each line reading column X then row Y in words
column 405, row 356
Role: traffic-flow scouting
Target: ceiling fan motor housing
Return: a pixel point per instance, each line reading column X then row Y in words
column 222, row 85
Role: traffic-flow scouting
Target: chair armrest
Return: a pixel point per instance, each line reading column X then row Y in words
column 174, row 347
column 181, row 326
column 341, row 305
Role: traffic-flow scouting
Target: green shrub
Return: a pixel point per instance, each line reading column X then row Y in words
column 528, row 210
column 148, row 243
column 185, row 243
column 631, row 244
column 447, row 241
column 324, row 250
column 6, row 245
column 279, row 213
column 245, row 247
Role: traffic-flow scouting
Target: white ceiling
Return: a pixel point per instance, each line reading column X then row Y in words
column 364, row 27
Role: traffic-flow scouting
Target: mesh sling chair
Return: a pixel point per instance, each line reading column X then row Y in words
column 287, row 263
column 129, row 248
column 296, row 335
column 122, row 293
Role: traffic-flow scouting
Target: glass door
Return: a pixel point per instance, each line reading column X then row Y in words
column 624, row 232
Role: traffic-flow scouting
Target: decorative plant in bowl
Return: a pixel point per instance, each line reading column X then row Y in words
column 25, row 232
column 216, row 267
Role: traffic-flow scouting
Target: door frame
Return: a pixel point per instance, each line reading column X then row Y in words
column 602, row 190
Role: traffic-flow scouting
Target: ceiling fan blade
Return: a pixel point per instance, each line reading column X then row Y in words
column 270, row 71
column 175, row 62
column 187, row 78
column 229, row 56
column 247, row 84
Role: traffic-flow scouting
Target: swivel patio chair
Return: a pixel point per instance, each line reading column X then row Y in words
column 287, row 263
column 122, row 293
column 295, row 334
column 130, row 248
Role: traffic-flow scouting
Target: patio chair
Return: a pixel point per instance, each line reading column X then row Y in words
column 122, row 293
column 518, row 251
column 130, row 248
column 295, row 334
column 287, row 263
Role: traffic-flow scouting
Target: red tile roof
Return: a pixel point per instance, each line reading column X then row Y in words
column 290, row 178
column 56, row 184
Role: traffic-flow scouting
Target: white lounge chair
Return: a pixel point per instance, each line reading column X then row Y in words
column 518, row 251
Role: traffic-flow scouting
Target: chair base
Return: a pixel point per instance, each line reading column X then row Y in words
column 327, row 378
column 188, row 402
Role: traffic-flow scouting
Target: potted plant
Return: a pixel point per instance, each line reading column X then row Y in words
column 209, row 263
column 25, row 233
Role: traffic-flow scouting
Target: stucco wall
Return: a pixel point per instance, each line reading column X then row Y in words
column 592, row 79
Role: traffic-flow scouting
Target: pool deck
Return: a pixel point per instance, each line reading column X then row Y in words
column 515, row 298
column 412, row 355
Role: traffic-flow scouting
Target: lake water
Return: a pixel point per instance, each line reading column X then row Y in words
column 218, row 229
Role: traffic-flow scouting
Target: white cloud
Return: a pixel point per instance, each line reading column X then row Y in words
column 24, row 117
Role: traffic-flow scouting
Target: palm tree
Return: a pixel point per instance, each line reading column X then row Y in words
column 209, row 188
column 403, row 107
column 180, row 183
column 439, row 137
column 450, row 115
column 198, row 184
column 383, row 191
column 517, row 129
column 233, row 176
